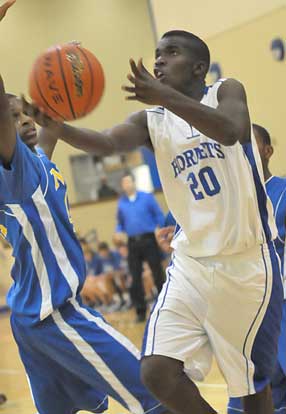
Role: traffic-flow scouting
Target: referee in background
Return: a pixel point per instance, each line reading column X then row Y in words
column 138, row 215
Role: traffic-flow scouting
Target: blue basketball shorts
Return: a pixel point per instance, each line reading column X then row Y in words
column 74, row 360
column 278, row 381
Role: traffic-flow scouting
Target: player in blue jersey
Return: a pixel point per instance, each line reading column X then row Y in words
column 74, row 360
column 276, row 190
column 72, row 357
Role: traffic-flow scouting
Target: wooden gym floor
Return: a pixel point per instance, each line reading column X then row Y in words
column 13, row 380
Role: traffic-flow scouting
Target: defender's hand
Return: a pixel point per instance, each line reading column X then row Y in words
column 4, row 8
column 164, row 238
column 146, row 89
column 39, row 116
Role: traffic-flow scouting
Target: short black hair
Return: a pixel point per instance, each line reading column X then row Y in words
column 197, row 45
column 263, row 133
column 103, row 246
column 11, row 95
column 128, row 174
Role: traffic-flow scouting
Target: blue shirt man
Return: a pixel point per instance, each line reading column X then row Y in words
column 138, row 215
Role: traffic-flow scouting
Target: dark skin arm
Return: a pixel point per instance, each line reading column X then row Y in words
column 227, row 123
column 121, row 138
column 7, row 129
column 47, row 141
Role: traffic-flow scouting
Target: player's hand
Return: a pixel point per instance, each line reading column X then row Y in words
column 164, row 238
column 4, row 8
column 75, row 43
column 39, row 116
column 146, row 88
column 89, row 288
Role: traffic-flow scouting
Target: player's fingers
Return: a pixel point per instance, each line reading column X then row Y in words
column 75, row 42
column 24, row 102
column 134, row 68
column 132, row 98
column 170, row 237
column 28, row 108
column 4, row 8
column 34, row 112
column 130, row 89
column 164, row 231
column 142, row 68
column 131, row 78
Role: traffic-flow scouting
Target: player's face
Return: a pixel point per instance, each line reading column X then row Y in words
column 104, row 253
column 174, row 64
column 87, row 253
column 24, row 125
column 265, row 151
column 128, row 185
column 123, row 250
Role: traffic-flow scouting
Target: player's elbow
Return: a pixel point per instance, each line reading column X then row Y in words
column 108, row 147
column 229, row 140
column 232, row 134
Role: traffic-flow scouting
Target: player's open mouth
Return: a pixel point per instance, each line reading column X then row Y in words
column 158, row 74
column 31, row 133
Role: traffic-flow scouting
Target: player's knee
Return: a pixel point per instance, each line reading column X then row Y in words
column 159, row 372
column 148, row 371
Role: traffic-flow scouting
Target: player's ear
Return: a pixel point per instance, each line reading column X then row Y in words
column 268, row 152
column 199, row 69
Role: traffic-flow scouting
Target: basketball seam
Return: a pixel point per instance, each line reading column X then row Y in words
column 65, row 83
column 91, row 78
column 44, row 99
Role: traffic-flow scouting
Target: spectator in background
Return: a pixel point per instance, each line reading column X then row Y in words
column 92, row 260
column 3, row 399
column 125, row 279
column 111, row 266
column 110, row 260
column 97, row 289
column 105, row 191
column 138, row 215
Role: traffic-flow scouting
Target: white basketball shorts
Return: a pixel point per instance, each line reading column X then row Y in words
column 227, row 306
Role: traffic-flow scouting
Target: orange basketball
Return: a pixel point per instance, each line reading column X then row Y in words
column 67, row 82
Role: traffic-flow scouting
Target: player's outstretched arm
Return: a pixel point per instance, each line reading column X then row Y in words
column 4, row 8
column 47, row 141
column 121, row 138
column 7, row 129
column 228, row 123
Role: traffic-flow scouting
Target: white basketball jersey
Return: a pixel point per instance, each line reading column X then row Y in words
column 215, row 192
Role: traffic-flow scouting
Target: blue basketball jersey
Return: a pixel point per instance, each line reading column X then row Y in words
column 49, row 267
column 276, row 190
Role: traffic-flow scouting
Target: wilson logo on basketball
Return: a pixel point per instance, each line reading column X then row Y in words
column 77, row 69
column 66, row 82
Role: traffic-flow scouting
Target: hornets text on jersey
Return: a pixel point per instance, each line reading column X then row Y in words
column 215, row 192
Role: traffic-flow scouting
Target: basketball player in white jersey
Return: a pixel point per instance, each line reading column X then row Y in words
column 223, row 294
